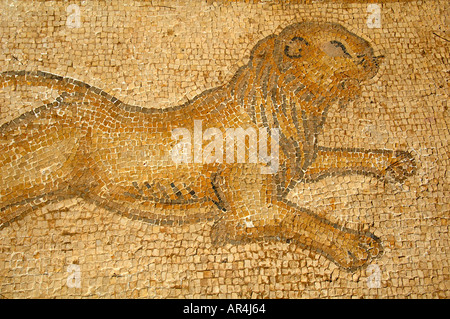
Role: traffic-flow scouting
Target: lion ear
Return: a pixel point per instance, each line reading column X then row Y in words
column 293, row 49
column 262, row 49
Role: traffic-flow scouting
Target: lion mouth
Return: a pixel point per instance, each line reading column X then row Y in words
column 370, row 64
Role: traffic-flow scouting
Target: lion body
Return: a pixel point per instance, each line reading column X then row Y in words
column 89, row 144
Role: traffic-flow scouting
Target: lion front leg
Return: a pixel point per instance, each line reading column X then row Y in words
column 255, row 214
column 383, row 164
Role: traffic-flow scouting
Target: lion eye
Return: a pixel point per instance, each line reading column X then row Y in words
column 340, row 49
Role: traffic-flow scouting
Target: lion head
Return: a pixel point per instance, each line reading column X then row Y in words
column 313, row 63
column 292, row 78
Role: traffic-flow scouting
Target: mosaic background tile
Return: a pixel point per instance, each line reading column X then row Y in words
column 377, row 175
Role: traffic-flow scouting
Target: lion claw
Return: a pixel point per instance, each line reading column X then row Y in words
column 402, row 166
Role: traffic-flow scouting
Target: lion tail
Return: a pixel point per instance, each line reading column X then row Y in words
column 37, row 148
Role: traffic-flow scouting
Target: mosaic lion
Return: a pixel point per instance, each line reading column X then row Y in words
column 89, row 144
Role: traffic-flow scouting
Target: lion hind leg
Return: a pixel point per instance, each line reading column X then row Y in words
column 285, row 221
column 36, row 161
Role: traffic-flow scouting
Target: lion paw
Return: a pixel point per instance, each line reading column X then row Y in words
column 359, row 252
column 220, row 233
column 402, row 166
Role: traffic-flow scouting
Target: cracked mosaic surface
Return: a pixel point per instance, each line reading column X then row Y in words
column 357, row 205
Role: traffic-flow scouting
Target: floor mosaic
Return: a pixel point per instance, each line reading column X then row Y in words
column 217, row 149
